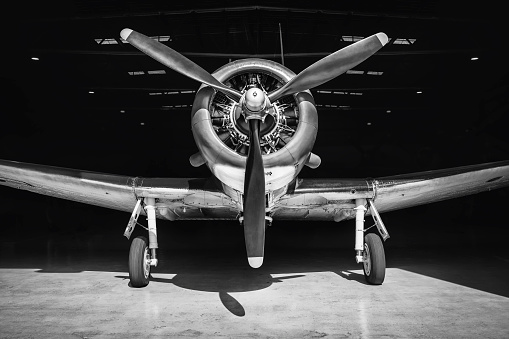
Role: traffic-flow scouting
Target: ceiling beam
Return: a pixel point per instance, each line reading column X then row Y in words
column 244, row 55
column 123, row 14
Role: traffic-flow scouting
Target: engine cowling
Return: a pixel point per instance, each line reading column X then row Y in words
column 287, row 134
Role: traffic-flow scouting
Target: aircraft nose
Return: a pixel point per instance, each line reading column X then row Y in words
column 255, row 100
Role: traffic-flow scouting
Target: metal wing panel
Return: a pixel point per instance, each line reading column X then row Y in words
column 334, row 199
column 184, row 198
column 322, row 199
column 414, row 189
column 111, row 191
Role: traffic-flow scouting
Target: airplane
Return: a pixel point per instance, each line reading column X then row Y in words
column 255, row 122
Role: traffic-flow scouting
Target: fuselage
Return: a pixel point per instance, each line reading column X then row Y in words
column 287, row 135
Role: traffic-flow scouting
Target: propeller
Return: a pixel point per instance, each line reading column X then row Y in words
column 332, row 66
column 254, row 104
column 254, row 198
column 175, row 61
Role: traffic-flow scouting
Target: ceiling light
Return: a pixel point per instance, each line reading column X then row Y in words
column 91, row 92
column 109, row 41
column 388, row 111
column 161, row 38
column 122, row 111
column 159, row 71
column 419, row 92
column 404, row 41
column 352, row 38
column 472, row 58
column 35, row 58
column 354, row 71
column 369, row 124
column 142, row 123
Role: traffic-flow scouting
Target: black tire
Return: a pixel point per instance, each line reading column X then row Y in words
column 139, row 271
column 374, row 268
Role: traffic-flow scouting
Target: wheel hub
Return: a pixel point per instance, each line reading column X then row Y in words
column 146, row 262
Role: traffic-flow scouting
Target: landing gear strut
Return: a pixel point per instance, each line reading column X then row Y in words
column 369, row 248
column 142, row 254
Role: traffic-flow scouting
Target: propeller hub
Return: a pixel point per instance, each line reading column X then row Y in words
column 254, row 100
column 254, row 104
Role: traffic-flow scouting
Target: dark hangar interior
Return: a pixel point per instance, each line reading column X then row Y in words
column 434, row 97
column 74, row 95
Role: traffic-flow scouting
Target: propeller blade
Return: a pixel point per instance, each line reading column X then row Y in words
column 254, row 198
column 331, row 66
column 175, row 61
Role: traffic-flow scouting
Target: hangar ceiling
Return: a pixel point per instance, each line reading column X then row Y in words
column 75, row 95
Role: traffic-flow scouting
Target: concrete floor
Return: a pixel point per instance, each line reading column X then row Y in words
column 74, row 284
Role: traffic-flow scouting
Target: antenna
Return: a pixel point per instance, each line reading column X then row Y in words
column 281, row 43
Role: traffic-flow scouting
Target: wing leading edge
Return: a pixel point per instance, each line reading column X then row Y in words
column 311, row 199
column 334, row 199
column 177, row 198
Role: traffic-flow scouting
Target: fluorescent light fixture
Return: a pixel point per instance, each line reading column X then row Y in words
column 340, row 92
column 388, row 111
column 161, row 38
column 186, row 92
column 35, row 58
column 374, row 73
column 419, row 92
column 155, row 93
column 355, row 93
column 159, row 71
column 122, row 111
column 369, row 124
column 352, row 38
column 327, row 92
column 142, row 123
column 91, row 92
column 171, row 92
column 108, row 41
column 404, row 41
column 472, row 58
column 354, row 71
column 136, row 73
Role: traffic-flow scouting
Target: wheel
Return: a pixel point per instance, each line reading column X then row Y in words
column 139, row 262
column 374, row 259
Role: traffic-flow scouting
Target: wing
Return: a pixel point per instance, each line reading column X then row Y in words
column 334, row 199
column 176, row 198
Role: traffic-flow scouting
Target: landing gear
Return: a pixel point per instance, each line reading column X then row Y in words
column 142, row 254
column 374, row 259
column 139, row 262
column 369, row 248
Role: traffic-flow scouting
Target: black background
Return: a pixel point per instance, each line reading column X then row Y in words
column 48, row 116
